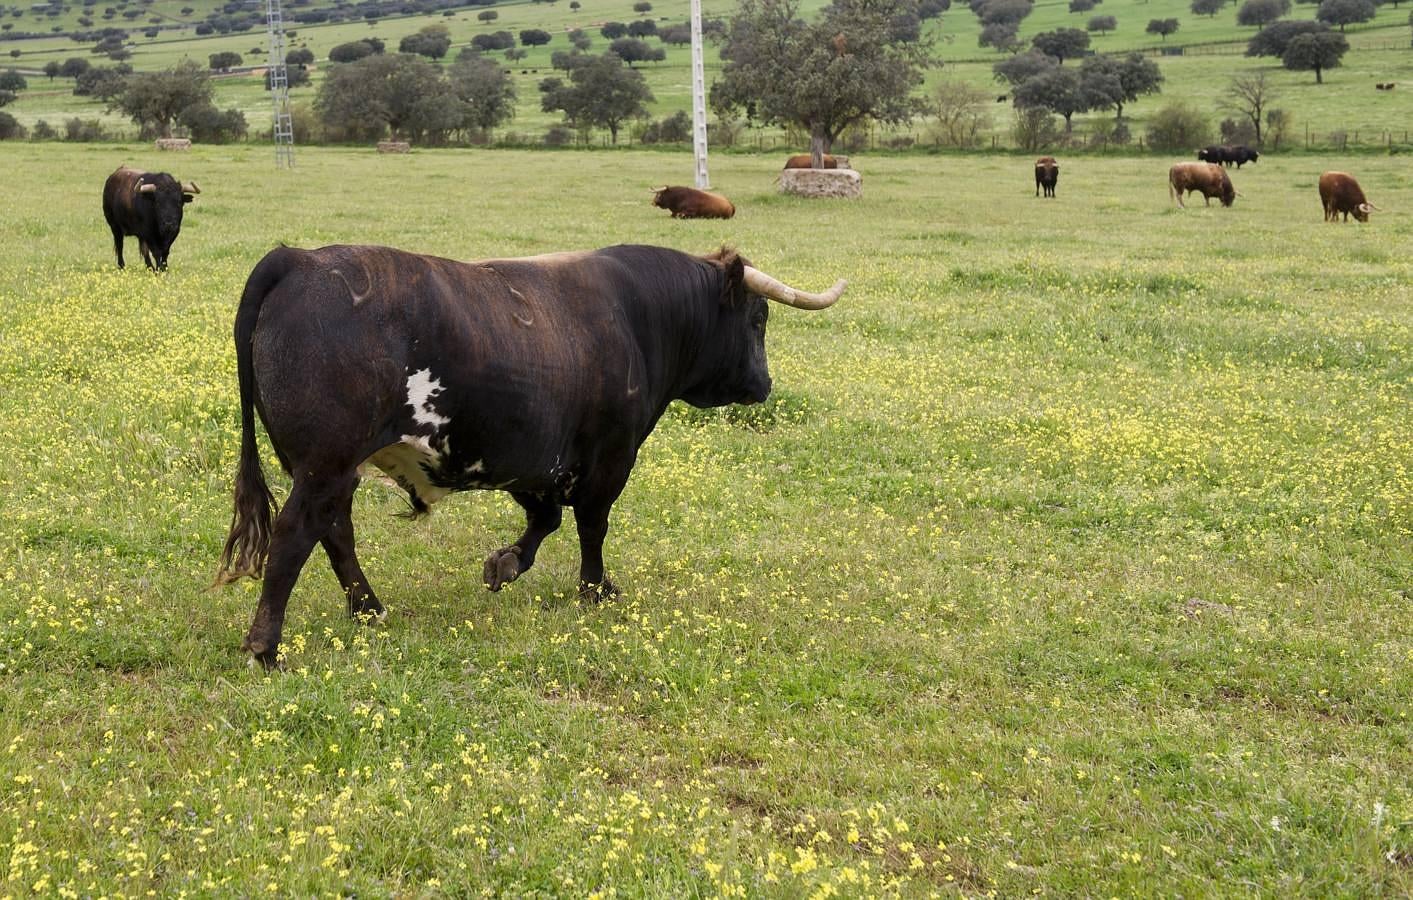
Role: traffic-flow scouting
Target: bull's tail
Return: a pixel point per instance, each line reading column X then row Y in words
column 248, row 544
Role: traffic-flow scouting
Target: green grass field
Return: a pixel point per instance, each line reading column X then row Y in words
column 1071, row 555
column 1346, row 103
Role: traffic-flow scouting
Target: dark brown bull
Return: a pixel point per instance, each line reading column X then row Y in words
column 1047, row 175
column 1209, row 178
column 540, row 376
column 1340, row 193
column 690, row 203
column 147, row 205
column 805, row 161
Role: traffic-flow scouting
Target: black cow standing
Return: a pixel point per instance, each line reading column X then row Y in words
column 149, row 206
column 539, row 376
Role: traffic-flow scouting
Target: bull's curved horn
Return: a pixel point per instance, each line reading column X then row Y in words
column 189, row 187
column 146, row 188
column 763, row 284
column 1366, row 206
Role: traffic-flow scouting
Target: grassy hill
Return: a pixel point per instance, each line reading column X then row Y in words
column 1212, row 54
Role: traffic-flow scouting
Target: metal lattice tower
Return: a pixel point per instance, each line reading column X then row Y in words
column 279, row 86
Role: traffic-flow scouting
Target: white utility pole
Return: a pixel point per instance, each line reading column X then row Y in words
column 699, row 122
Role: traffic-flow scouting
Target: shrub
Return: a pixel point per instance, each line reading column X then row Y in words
column 558, row 136
column 43, row 131
column 1035, row 129
column 673, row 129
column 10, row 128
column 83, row 131
column 1178, row 127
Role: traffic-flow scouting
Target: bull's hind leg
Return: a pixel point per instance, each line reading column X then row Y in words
column 542, row 518
column 146, row 254
column 304, row 521
column 118, row 246
column 338, row 544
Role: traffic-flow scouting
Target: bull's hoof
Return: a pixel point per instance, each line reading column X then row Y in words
column 367, row 610
column 597, row 593
column 502, row 567
column 261, row 651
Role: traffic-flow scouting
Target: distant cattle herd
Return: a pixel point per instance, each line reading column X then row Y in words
column 539, row 376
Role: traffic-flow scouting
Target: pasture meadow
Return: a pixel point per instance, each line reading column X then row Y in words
column 1071, row 556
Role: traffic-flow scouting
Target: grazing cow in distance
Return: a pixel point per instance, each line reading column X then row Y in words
column 690, row 203
column 805, row 161
column 149, row 206
column 1240, row 155
column 1213, row 154
column 1340, row 193
column 1211, row 179
column 1047, row 174
column 540, row 376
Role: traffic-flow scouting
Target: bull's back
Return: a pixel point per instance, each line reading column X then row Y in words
column 118, row 193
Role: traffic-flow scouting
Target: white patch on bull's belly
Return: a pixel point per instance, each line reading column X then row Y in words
column 422, row 389
column 403, row 462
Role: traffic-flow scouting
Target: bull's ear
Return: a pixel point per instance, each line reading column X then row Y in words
column 733, row 286
column 187, row 198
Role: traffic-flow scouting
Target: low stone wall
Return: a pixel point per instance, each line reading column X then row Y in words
column 394, row 147
column 173, row 143
column 845, row 183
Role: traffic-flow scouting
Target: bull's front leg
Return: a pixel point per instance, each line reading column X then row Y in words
column 543, row 516
column 146, row 253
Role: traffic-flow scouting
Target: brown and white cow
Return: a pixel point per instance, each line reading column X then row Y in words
column 1209, row 178
column 1340, row 193
column 1047, row 175
column 690, row 203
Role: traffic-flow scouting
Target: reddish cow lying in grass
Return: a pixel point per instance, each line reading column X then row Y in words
column 690, row 203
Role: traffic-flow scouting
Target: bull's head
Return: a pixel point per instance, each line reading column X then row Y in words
column 163, row 199
column 1361, row 212
column 736, row 347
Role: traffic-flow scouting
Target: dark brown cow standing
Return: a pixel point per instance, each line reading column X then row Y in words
column 147, row 205
column 1341, row 194
column 1209, row 178
column 690, row 203
column 539, row 376
column 1047, row 175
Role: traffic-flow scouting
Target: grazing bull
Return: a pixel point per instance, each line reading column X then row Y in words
column 1241, row 155
column 539, row 376
column 805, row 161
column 1213, row 154
column 690, row 203
column 1211, row 179
column 1047, row 175
column 1340, row 193
column 149, row 206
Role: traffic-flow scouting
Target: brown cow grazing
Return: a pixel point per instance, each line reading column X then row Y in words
column 1047, row 174
column 1340, row 193
column 803, row 161
column 690, row 203
column 1209, row 178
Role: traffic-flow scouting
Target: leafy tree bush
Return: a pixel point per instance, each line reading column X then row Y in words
column 579, row 40
column 677, row 35
column 1062, row 43
column 1117, row 80
column 433, row 42
column 1000, row 35
column 496, row 40
column 962, row 110
column 642, row 28
column 43, row 131
column 486, row 92
column 10, row 80
column 83, row 131
column 1178, row 127
column 613, row 30
column 1035, row 129
column 845, row 68
column 353, row 51
column 632, row 50
column 1081, row 6
column 301, row 56
column 1345, row 12
column 1315, row 52
column 1025, row 65
column 10, row 128
column 153, row 100
column 534, row 37
column 224, row 60
column 1272, row 40
column 52, row 68
column 602, row 93
column 74, row 66
column 208, row 125
column 1058, row 90
column 674, row 129
column 1163, row 27
column 1102, row 24
column 487, row 15
column 642, row 7
column 1261, row 12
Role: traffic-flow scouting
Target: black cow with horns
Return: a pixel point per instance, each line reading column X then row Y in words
column 539, row 376
column 149, row 206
